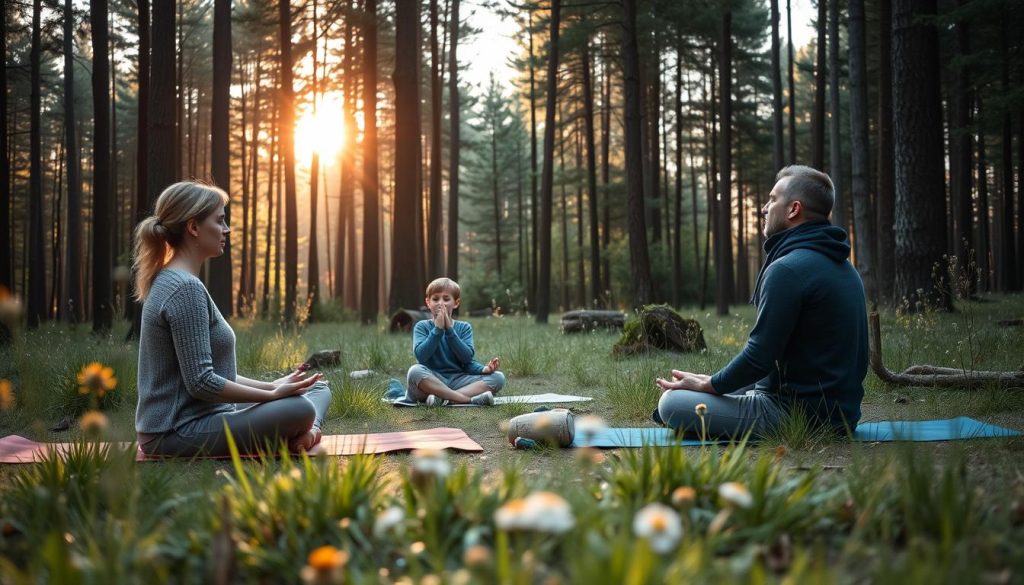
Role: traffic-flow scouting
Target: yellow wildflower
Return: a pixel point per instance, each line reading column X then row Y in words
column 6, row 395
column 97, row 379
column 93, row 421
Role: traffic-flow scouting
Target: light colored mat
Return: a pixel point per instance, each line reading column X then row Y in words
column 546, row 398
column 15, row 449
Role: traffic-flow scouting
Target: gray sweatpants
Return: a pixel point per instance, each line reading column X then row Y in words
column 495, row 381
column 253, row 426
column 750, row 409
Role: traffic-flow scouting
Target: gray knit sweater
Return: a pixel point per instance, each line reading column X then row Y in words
column 186, row 354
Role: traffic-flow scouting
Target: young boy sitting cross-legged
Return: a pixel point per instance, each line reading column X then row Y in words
column 445, row 371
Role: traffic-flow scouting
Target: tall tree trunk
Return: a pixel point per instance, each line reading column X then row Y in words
column 287, row 131
column 1006, row 277
column 254, row 164
column 313, row 251
column 102, row 257
column 588, row 118
column 220, row 281
column 162, row 169
column 405, row 289
column 984, row 225
column 677, row 237
column 840, row 210
column 36, row 293
column 533, row 287
column 496, row 194
column 820, row 74
column 777, row 139
column 860, row 151
column 917, row 135
column 581, row 284
column 346, row 183
column 792, row 88
column 652, row 122
column 72, row 309
column 454, row 145
column 6, row 242
column 143, row 200
column 606, row 222
column 963, row 151
column 640, row 263
column 564, row 288
column 886, row 201
column 369, row 304
column 693, row 199
column 274, row 140
column 435, row 248
column 547, row 177
column 723, row 227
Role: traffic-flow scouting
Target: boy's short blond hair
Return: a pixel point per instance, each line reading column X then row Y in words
column 444, row 284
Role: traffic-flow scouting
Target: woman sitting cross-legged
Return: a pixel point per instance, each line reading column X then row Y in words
column 188, row 387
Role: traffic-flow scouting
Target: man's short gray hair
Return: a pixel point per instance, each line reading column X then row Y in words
column 810, row 187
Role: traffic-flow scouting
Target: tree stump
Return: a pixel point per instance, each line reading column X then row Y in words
column 583, row 320
column 322, row 359
column 404, row 319
column 660, row 327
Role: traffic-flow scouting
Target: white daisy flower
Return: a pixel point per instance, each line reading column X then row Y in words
column 540, row 512
column 389, row 521
column 736, row 494
column 660, row 526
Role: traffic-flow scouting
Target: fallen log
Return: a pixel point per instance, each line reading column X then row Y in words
column 925, row 375
column 1011, row 323
column 590, row 320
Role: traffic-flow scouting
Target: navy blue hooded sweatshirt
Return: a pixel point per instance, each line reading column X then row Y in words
column 809, row 344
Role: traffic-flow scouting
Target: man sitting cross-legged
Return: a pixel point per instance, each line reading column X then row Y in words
column 809, row 346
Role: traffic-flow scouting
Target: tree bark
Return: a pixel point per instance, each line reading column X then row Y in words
column 917, row 135
column 592, row 198
column 984, row 226
column 777, row 139
column 860, row 151
column 102, row 257
column 840, row 210
column 435, row 248
column 287, row 134
column 313, row 250
column 404, row 288
column 820, row 73
column 454, row 146
column 677, row 236
column 792, row 89
column 547, row 177
column 220, row 281
column 533, row 286
column 6, row 242
column 369, row 299
column 640, row 263
column 143, row 200
column 723, row 227
column 963, row 150
column 36, row 293
column 1006, row 277
column 886, row 199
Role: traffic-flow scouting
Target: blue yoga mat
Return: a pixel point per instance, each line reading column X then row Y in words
column 952, row 429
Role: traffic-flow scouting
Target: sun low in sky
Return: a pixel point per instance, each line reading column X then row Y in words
column 322, row 132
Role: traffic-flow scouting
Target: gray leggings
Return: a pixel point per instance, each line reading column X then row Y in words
column 253, row 426
column 749, row 409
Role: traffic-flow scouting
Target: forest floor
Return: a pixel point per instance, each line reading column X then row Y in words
column 540, row 359
column 824, row 509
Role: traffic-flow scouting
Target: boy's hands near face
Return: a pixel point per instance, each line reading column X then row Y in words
column 492, row 366
column 448, row 321
column 439, row 316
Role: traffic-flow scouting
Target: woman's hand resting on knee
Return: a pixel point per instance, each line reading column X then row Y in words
column 294, row 384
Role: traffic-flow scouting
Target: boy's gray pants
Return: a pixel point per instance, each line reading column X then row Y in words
column 418, row 372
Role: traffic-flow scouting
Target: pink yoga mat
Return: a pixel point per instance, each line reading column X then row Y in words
column 15, row 449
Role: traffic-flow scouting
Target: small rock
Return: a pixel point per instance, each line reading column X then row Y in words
column 901, row 400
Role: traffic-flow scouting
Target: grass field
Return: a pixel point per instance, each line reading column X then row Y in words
column 822, row 509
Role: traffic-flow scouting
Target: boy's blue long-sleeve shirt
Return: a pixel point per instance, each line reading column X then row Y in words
column 445, row 351
column 810, row 339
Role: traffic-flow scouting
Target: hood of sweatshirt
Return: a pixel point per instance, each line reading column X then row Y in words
column 820, row 236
